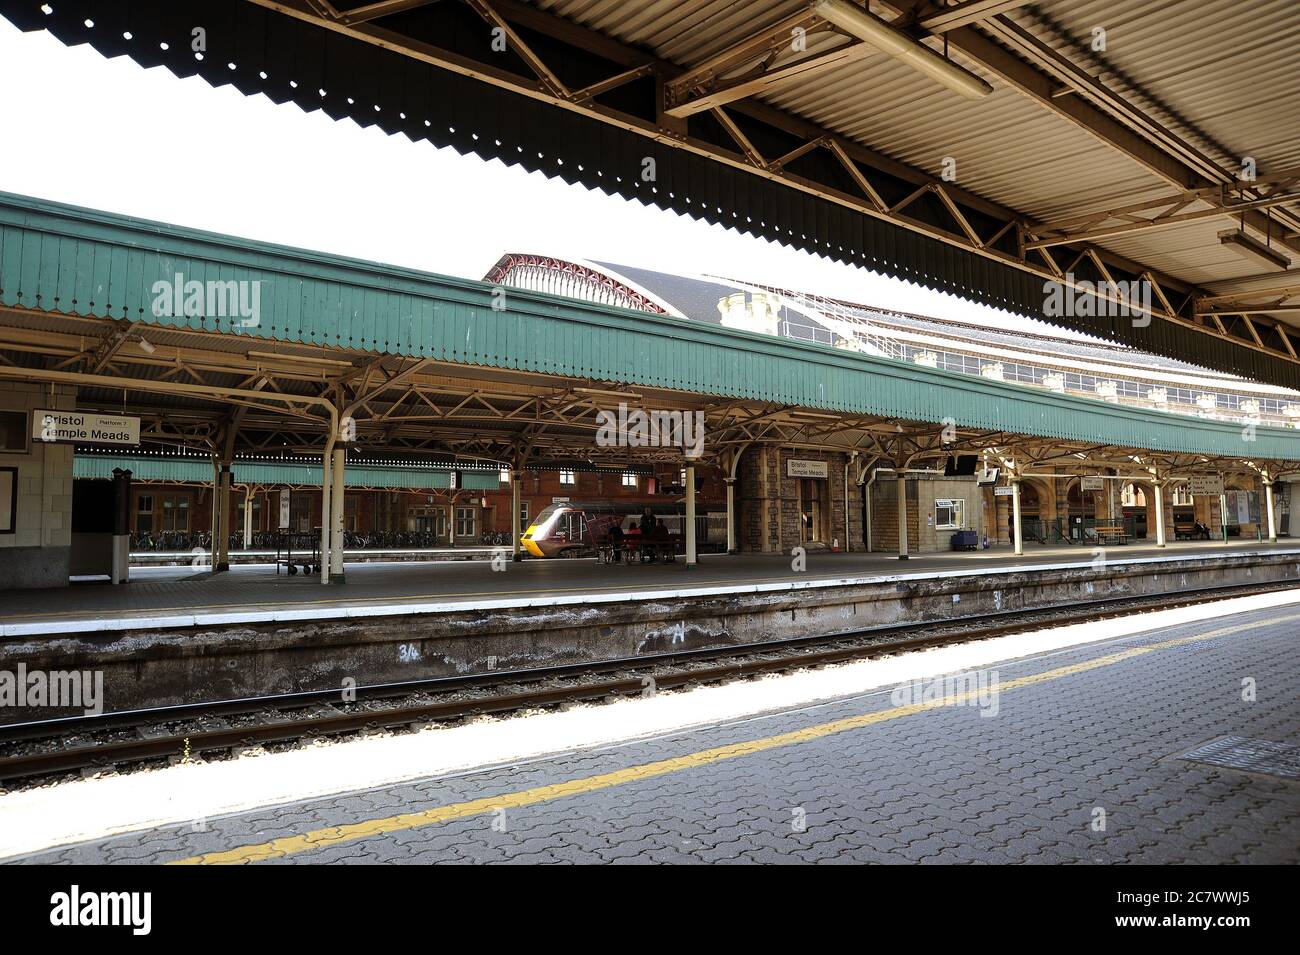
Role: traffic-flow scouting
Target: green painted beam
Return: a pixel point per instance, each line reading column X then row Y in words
column 162, row 469
column 68, row 260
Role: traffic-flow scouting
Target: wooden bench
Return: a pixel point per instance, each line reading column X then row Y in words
column 1111, row 535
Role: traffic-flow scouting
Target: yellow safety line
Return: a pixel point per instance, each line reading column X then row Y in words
column 335, row 835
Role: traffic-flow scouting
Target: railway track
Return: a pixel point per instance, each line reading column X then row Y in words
column 38, row 752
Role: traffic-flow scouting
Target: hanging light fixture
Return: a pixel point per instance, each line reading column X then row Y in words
column 869, row 28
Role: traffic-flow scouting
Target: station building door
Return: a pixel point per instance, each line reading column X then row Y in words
column 814, row 511
column 1030, row 514
column 428, row 520
column 1133, row 505
column 1082, row 510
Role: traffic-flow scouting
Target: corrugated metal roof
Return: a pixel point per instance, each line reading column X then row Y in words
column 1010, row 149
column 64, row 259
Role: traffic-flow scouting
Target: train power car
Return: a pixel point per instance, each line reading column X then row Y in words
column 576, row 529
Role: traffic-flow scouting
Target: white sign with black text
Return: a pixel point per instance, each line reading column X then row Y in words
column 797, row 468
column 83, row 427
column 1205, row 485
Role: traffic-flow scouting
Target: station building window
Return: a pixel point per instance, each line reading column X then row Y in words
column 300, row 512
column 568, row 477
column 630, row 480
column 13, row 431
column 949, row 515
column 523, row 515
column 504, row 476
column 256, row 519
column 465, row 521
column 1182, row 496
column 175, row 513
column 144, row 514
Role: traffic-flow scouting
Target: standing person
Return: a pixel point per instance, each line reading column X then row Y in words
column 648, row 521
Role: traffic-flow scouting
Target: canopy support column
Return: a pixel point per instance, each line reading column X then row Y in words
column 516, row 479
column 690, row 516
column 1160, row 515
column 1017, row 532
column 1268, row 503
column 337, row 515
column 325, row 494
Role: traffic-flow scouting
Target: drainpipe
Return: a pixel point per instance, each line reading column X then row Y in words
column 870, row 541
column 730, row 481
column 848, row 542
column 902, row 515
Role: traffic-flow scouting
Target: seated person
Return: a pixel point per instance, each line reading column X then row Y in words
column 616, row 542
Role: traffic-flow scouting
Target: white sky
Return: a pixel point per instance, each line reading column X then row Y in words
column 111, row 135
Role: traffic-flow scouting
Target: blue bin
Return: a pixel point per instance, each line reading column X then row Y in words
column 965, row 540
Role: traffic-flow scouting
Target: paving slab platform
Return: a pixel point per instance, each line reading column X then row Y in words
column 172, row 639
column 1083, row 761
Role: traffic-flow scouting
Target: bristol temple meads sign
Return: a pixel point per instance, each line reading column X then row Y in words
column 84, row 427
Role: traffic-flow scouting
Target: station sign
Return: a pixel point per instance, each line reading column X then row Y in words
column 1005, row 491
column 1205, row 485
column 806, row 469
column 1092, row 484
column 83, row 427
column 559, row 500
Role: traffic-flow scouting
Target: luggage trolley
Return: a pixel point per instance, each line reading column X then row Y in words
column 306, row 547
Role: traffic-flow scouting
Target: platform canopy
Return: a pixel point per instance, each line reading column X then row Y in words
column 444, row 370
column 979, row 147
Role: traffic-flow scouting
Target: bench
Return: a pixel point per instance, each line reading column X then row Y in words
column 1111, row 535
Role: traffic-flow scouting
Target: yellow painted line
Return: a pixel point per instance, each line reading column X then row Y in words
column 336, row 835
